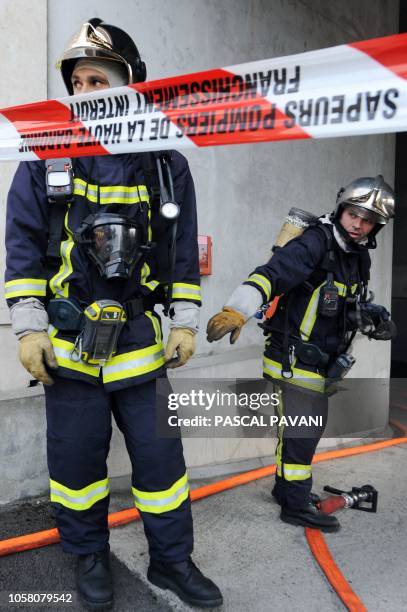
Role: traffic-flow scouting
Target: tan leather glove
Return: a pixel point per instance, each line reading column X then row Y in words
column 35, row 349
column 224, row 322
column 182, row 341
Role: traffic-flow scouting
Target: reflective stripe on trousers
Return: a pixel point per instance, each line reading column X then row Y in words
column 294, row 471
column 79, row 428
column 288, row 471
column 162, row 501
column 79, row 499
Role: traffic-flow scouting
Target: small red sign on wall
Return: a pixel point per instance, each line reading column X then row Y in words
column 205, row 255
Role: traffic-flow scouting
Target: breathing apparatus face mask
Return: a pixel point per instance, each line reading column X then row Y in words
column 113, row 242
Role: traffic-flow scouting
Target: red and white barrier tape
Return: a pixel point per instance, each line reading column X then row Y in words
column 354, row 89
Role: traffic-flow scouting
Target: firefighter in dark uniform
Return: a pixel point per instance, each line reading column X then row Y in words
column 108, row 266
column 322, row 278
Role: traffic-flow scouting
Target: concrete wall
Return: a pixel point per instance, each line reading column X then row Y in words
column 23, row 78
column 243, row 192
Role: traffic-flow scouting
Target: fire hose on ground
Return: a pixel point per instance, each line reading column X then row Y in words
column 316, row 541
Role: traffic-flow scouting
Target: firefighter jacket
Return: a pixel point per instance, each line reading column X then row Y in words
column 296, row 273
column 112, row 184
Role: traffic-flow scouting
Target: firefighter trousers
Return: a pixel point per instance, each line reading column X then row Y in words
column 79, row 429
column 297, row 444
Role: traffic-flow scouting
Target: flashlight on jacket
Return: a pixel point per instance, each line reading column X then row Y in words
column 169, row 210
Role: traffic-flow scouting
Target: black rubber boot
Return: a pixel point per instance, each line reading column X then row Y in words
column 187, row 581
column 94, row 580
column 314, row 498
column 310, row 516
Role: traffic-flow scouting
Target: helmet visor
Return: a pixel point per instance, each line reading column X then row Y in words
column 364, row 213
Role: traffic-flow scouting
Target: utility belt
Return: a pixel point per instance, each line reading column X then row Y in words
column 98, row 326
column 311, row 355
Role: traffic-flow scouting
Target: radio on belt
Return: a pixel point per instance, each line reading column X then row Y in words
column 97, row 342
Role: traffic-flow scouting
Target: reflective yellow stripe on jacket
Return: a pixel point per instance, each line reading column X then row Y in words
column 79, row 499
column 145, row 274
column 111, row 194
column 162, row 501
column 63, row 349
column 262, row 282
column 57, row 283
column 120, row 367
column 302, row 378
column 186, row 291
column 156, row 326
column 25, row 287
column 134, row 363
column 310, row 316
